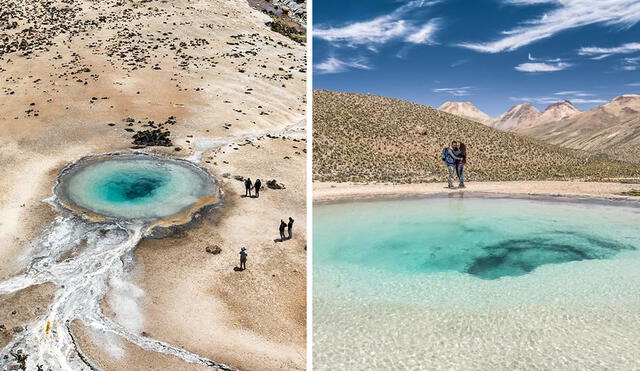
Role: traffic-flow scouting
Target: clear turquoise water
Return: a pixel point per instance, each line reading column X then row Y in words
column 475, row 284
column 484, row 238
column 136, row 187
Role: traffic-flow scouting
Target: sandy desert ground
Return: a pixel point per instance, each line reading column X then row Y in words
column 330, row 191
column 232, row 94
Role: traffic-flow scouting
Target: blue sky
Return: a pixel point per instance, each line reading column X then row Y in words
column 494, row 53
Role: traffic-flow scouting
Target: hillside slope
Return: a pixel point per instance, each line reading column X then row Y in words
column 361, row 137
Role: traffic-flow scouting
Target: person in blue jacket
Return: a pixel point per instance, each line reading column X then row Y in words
column 450, row 156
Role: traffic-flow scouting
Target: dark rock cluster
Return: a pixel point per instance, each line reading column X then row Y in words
column 215, row 249
column 156, row 135
column 153, row 137
column 273, row 184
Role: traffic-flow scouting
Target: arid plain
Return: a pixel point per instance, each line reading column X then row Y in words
column 207, row 81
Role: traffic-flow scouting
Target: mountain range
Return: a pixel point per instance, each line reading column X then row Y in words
column 613, row 128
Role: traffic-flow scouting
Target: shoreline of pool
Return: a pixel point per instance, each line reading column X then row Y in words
column 570, row 191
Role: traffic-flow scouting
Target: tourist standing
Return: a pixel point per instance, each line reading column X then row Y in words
column 243, row 258
column 256, row 187
column 462, row 153
column 247, row 187
column 449, row 159
column 290, row 227
column 283, row 225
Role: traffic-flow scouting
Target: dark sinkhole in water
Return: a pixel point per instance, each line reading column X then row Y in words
column 485, row 238
column 520, row 256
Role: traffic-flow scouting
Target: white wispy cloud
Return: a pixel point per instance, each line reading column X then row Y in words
column 634, row 84
column 335, row 65
column 566, row 14
column 459, row 62
column 424, row 34
column 376, row 31
column 528, row 2
column 380, row 30
column 456, row 92
column 574, row 93
column 600, row 53
column 630, row 64
column 586, row 101
column 542, row 66
column 551, row 100
column 531, row 58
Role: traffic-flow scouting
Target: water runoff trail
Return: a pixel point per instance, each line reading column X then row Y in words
column 80, row 258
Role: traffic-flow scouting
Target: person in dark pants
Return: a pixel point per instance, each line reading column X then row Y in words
column 449, row 157
column 247, row 187
column 243, row 258
column 283, row 225
column 256, row 187
column 290, row 227
column 462, row 153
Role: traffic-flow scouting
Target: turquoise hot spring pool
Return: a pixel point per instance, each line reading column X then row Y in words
column 475, row 283
column 134, row 186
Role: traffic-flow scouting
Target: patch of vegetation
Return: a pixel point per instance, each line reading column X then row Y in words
column 365, row 138
column 633, row 192
column 287, row 28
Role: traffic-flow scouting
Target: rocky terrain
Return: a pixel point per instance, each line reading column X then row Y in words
column 289, row 17
column 365, row 138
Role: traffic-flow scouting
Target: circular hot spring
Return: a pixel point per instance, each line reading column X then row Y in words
column 135, row 186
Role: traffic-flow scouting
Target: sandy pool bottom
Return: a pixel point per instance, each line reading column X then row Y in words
column 571, row 315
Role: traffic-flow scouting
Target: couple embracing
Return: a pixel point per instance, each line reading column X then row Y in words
column 455, row 156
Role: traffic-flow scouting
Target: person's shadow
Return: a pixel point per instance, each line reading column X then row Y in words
column 237, row 269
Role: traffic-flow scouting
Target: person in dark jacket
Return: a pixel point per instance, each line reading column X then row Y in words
column 243, row 258
column 449, row 158
column 290, row 227
column 256, row 187
column 283, row 225
column 247, row 187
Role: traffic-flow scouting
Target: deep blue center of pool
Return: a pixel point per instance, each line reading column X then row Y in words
column 515, row 257
column 132, row 187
